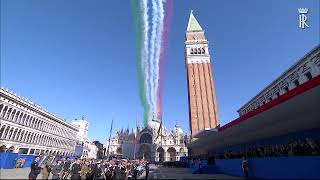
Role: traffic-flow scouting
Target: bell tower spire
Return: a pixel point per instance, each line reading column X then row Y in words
column 203, row 110
column 193, row 24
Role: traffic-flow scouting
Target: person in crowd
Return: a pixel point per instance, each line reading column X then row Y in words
column 245, row 166
column 92, row 167
column 147, row 169
column 35, row 169
column 117, row 171
column 85, row 170
column 135, row 171
column 45, row 171
column 76, row 169
column 108, row 171
column 65, row 168
column 97, row 174
column 200, row 166
column 56, row 170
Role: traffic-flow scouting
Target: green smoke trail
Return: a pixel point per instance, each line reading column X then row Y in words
column 138, row 27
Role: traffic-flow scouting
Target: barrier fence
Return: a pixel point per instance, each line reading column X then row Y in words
column 8, row 160
column 295, row 167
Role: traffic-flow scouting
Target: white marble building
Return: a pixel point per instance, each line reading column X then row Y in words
column 89, row 149
column 304, row 70
column 83, row 127
column 168, row 146
column 27, row 128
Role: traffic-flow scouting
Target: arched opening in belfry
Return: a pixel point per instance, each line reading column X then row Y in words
column 160, row 152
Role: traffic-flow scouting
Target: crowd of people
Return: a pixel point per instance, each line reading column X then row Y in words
column 300, row 147
column 88, row 169
column 303, row 147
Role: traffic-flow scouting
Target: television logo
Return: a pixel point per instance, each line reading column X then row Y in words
column 303, row 17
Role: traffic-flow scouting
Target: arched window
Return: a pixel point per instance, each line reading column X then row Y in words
column 8, row 113
column 22, row 135
column 1, row 107
column 10, row 133
column 12, row 114
column 4, row 111
column 14, row 134
column 2, row 130
column 16, row 116
column 146, row 138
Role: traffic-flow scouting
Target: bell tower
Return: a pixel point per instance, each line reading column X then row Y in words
column 203, row 110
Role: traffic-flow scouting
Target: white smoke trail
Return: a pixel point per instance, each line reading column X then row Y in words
column 145, row 62
column 158, row 47
column 152, row 52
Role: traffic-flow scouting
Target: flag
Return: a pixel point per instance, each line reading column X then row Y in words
column 160, row 128
column 134, row 140
column 109, row 138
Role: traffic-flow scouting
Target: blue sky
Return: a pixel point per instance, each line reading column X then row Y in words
column 77, row 57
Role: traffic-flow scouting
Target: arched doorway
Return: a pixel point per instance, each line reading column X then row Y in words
column 146, row 138
column 119, row 150
column 144, row 152
column 160, row 152
column 172, row 154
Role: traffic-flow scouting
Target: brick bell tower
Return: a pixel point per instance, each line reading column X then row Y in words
column 203, row 110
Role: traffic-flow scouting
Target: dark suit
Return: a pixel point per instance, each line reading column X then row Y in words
column 147, row 170
column 75, row 170
column 35, row 170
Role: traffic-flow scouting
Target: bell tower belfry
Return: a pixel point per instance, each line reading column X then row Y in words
column 203, row 110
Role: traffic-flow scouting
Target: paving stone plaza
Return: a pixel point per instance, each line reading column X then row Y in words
column 155, row 173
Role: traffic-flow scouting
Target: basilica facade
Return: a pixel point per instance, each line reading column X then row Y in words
column 153, row 143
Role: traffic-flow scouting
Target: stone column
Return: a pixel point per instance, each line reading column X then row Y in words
column 29, row 150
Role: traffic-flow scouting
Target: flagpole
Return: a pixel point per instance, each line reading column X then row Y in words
column 135, row 141
column 109, row 139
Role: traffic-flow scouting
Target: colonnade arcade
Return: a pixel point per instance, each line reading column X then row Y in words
column 27, row 129
column 169, row 153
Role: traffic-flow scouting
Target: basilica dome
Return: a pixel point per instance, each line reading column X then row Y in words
column 178, row 129
column 153, row 125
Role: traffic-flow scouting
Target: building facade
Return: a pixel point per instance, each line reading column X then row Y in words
column 151, row 143
column 101, row 149
column 304, row 70
column 85, row 148
column 26, row 128
column 83, row 127
column 203, row 110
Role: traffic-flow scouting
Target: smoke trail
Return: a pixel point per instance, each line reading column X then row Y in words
column 152, row 52
column 164, row 45
column 151, row 43
column 146, row 64
column 157, row 50
column 136, row 14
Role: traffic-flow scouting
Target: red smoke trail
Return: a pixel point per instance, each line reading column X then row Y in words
column 163, row 53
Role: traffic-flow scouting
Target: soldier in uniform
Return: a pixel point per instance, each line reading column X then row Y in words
column 56, row 170
column 35, row 169
column 85, row 170
column 65, row 168
column 76, row 169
